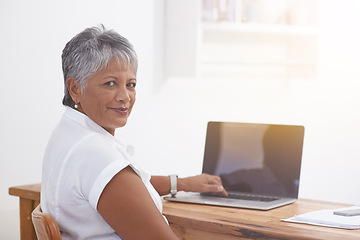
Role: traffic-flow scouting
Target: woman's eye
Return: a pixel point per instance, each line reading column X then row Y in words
column 110, row 83
column 131, row 85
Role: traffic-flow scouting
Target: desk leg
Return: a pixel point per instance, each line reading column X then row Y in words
column 27, row 231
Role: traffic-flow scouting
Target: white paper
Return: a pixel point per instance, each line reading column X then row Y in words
column 327, row 218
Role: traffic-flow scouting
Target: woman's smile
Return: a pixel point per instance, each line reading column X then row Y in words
column 120, row 110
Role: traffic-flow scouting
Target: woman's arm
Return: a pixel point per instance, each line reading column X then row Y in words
column 128, row 208
column 199, row 183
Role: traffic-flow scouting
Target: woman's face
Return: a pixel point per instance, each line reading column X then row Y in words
column 109, row 96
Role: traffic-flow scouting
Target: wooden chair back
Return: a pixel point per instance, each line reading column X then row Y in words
column 45, row 225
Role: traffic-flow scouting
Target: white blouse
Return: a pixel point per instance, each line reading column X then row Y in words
column 80, row 160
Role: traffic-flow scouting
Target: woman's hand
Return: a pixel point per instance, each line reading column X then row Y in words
column 202, row 183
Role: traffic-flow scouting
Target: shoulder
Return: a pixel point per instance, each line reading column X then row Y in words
column 97, row 149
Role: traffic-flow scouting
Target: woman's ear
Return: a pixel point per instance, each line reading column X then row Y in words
column 74, row 89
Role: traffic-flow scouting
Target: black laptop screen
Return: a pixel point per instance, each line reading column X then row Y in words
column 255, row 158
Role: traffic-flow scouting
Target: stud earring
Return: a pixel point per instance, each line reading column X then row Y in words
column 76, row 105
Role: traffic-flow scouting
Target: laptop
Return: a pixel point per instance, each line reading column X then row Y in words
column 259, row 165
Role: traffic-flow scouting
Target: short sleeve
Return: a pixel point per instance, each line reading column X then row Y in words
column 96, row 161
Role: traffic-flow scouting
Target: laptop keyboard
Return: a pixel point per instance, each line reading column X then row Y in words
column 243, row 196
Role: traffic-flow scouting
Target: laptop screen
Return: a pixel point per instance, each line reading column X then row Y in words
column 255, row 158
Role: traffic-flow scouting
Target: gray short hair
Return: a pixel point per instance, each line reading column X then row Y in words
column 91, row 51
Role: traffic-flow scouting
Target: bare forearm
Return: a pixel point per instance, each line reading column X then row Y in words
column 199, row 183
column 162, row 184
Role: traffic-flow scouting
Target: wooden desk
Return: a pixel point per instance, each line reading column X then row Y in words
column 194, row 222
column 197, row 222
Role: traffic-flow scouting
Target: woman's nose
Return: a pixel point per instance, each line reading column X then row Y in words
column 122, row 95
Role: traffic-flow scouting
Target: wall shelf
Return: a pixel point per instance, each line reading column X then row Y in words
column 269, row 63
column 253, row 28
column 208, row 48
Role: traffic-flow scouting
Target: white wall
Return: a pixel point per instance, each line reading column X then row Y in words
column 331, row 107
column 168, row 123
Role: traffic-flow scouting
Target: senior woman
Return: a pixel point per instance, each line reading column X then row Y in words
column 91, row 184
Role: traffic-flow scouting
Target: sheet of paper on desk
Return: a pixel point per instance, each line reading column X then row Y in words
column 327, row 218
